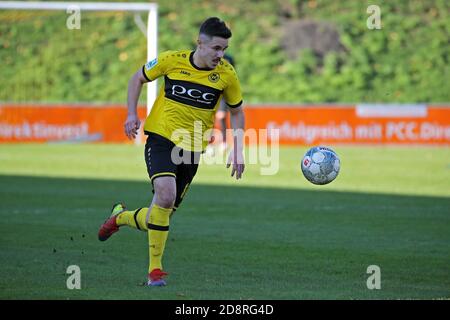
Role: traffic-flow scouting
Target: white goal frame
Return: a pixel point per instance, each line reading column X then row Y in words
column 152, row 23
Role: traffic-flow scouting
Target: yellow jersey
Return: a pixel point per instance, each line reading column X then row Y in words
column 186, row 105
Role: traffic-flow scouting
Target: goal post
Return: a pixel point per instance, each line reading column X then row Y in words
column 151, row 30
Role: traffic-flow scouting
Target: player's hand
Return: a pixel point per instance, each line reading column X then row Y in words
column 236, row 158
column 132, row 125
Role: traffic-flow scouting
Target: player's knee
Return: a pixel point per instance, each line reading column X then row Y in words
column 165, row 191
column 167, row 202
column 165, row 198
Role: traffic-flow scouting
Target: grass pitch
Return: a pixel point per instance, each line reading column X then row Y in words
column 263, row 237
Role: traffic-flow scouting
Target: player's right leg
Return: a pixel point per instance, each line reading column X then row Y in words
column 158, row 226
column 170, row 184
column 169, row 192
column 162, row 173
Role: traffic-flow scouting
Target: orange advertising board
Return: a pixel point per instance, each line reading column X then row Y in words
column 310, row 125
column 360, row 124
column 63, row 123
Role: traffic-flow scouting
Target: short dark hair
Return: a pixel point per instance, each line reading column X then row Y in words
column 214, row 27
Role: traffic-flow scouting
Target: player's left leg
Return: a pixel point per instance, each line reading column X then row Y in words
column 110, row 225
column 136, row 219
column 120, row 216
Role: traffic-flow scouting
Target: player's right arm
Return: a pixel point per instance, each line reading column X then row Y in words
column 135, row 84
column 149, row 72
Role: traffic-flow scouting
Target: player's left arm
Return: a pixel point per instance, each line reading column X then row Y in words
column 236, row 157
column 233, row 97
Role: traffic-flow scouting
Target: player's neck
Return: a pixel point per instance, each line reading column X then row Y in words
column 198, row 62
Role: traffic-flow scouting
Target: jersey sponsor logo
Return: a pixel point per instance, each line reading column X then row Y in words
column 192, row 94
column 214, row 77
column 151, row 64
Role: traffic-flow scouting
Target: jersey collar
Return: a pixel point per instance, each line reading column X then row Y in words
column 191, row 60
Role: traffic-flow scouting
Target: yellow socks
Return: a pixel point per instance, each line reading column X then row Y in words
column 134, row 219
column 157, row 227
column 158, row 230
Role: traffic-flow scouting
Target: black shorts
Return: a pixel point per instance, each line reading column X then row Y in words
column 163, row 158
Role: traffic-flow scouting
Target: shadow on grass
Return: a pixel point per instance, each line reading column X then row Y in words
column 319, row 243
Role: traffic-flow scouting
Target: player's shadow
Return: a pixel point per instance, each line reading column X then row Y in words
column 318, row 237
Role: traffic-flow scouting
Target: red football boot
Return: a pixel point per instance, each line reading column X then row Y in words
column 155, row 278
column 110, row 226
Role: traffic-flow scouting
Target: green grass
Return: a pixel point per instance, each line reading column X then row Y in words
column 264, row 237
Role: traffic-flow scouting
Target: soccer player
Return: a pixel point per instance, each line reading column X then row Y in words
column 177, row 126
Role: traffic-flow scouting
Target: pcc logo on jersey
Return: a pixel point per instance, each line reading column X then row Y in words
column 192, row 94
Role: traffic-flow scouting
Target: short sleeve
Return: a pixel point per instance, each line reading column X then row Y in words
column 232, row 93
column 157, row 67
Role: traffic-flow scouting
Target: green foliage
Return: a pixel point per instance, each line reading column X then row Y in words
column 405, row 61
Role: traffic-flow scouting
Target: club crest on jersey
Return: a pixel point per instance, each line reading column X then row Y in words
column 214, row 77
column 151, row 64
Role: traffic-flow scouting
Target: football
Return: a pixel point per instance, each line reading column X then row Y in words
column 320, row 165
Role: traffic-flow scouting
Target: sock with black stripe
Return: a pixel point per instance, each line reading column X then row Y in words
column 158, row 230
column 134, row 219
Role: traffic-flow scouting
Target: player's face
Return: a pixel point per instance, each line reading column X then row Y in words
column 211, row 50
